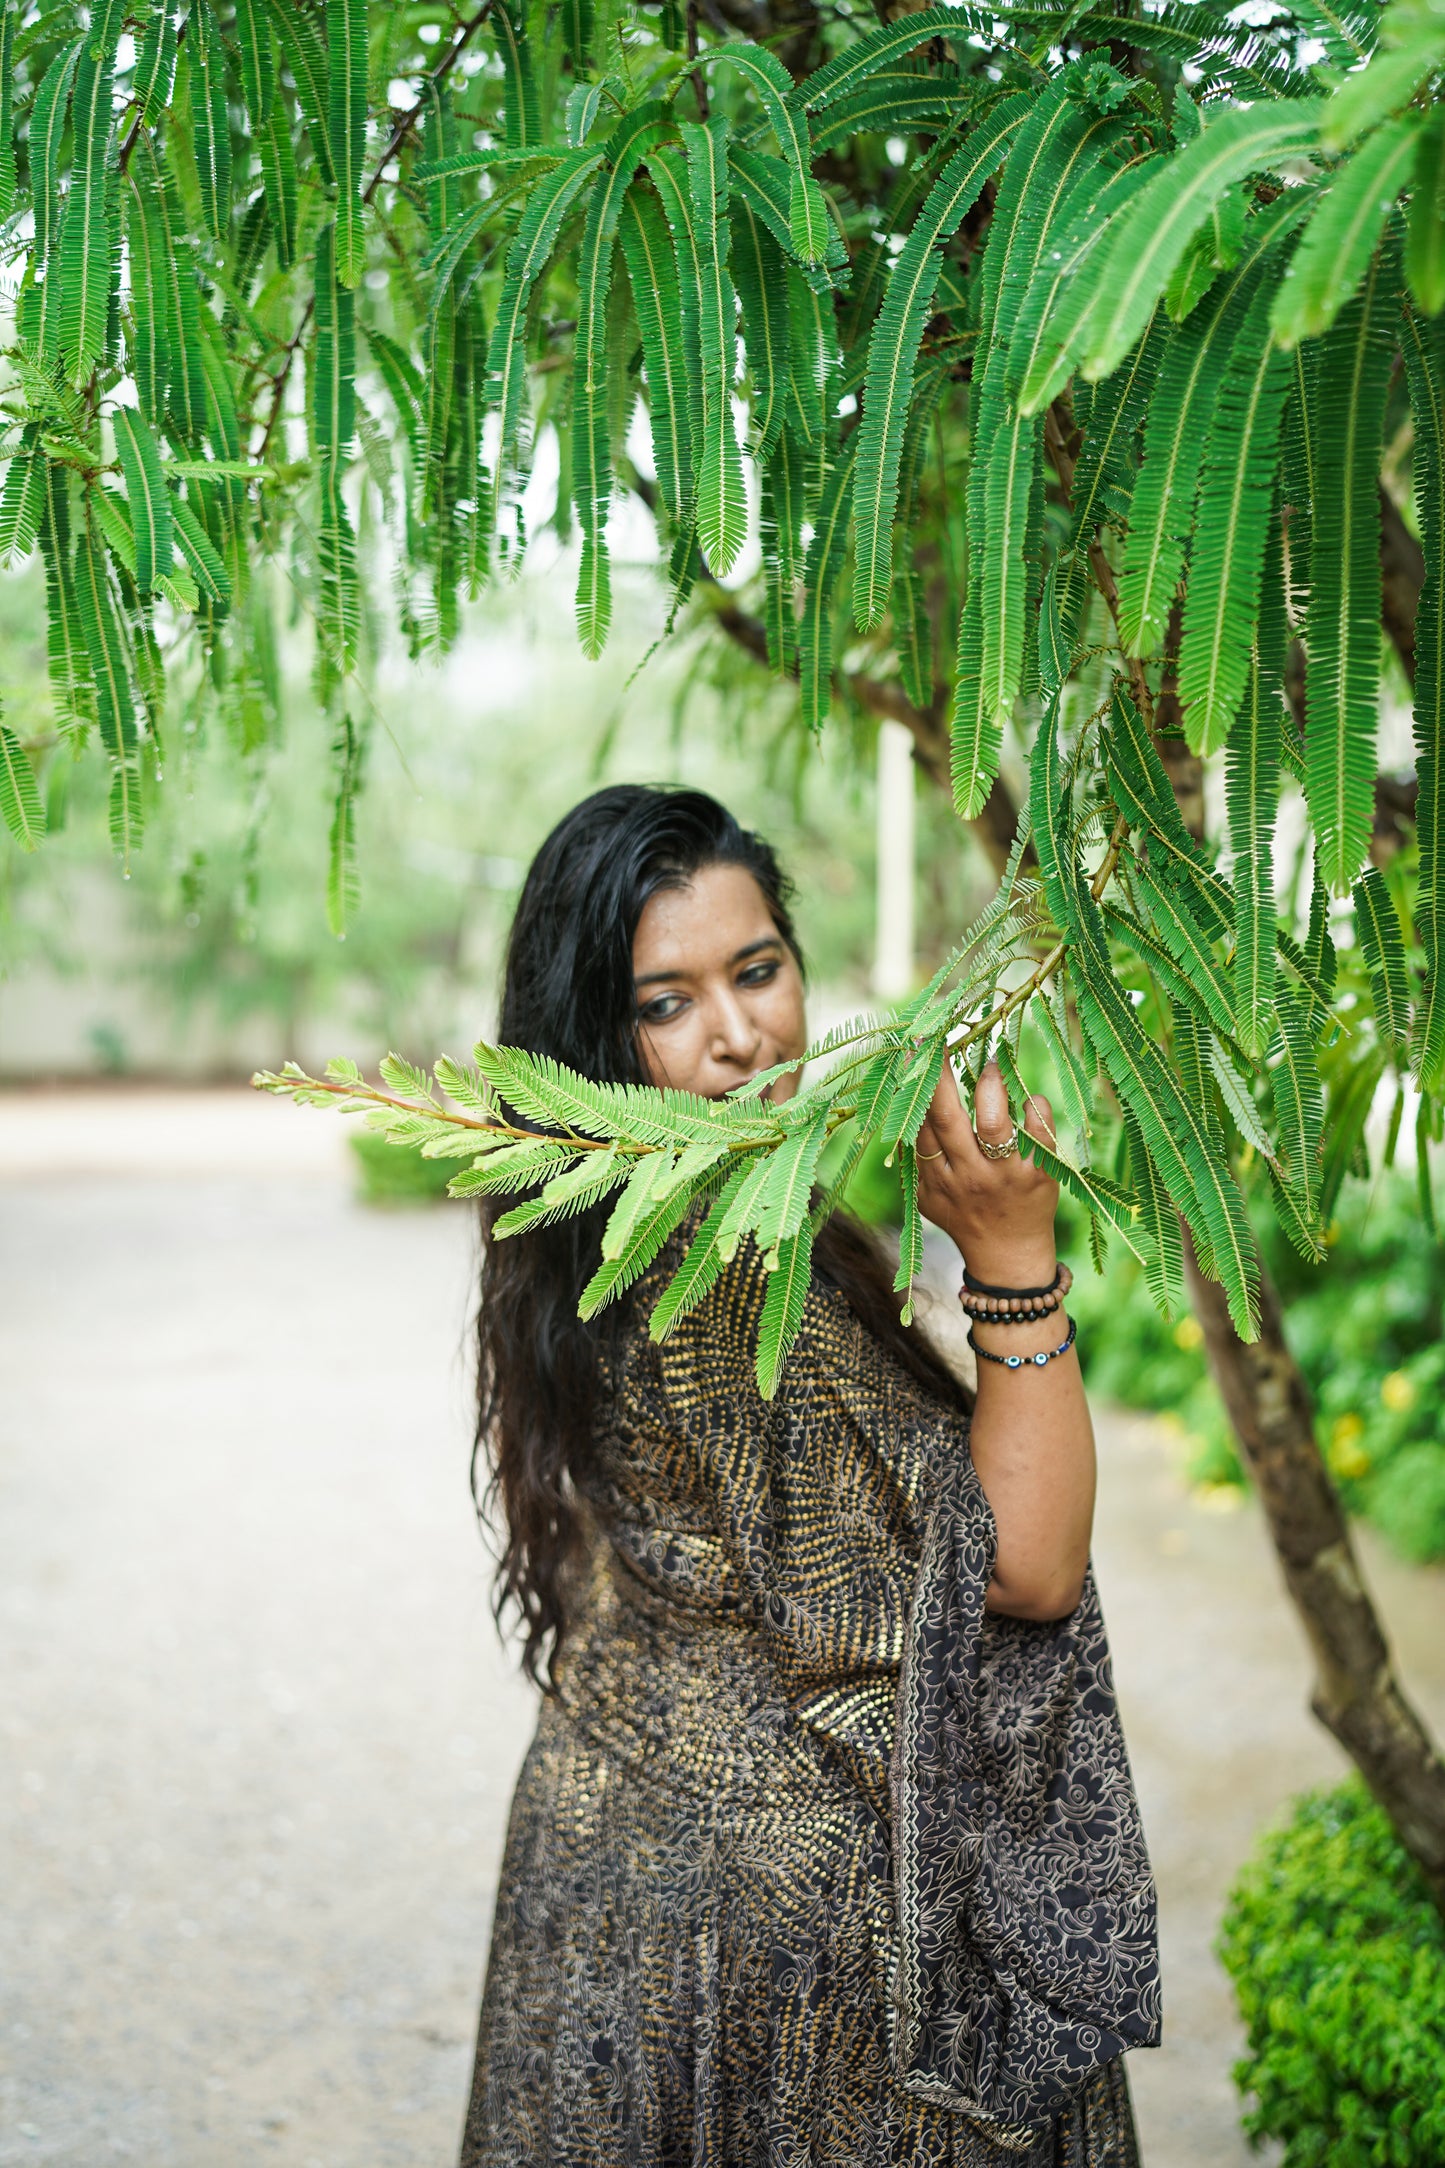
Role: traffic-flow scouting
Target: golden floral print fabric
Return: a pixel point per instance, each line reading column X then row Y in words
column 813, row 1863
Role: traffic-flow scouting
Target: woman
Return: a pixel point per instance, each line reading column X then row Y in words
column 826, row 1850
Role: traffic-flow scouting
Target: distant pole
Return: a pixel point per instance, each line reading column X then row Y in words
column 893, row 968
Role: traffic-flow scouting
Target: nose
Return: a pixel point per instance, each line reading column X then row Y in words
column 734, row 1038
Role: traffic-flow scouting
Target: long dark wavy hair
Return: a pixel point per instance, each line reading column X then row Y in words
column 568, row 993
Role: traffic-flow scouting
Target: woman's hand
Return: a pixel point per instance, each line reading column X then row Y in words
column 1000, row 1212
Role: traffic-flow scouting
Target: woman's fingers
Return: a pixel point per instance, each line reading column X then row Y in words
column 991, row 1117
column 948, row 1127
column 1039, row 1121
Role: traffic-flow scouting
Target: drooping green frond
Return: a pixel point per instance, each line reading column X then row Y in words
column 780, row 526
column 1252, row 797
column 808, row 225
column 877, row 49
column 20, row 806
column 1425, row 235
column 199, row 552
column 299, row 37
column 657, row 304
column 1148, row 239
column 892, row 102
column 1055, row 312
column 616, row 1274
column 762, row 286
column 698, row 1273
column 821, row 567
column 1424, row 349
column 7, row 109
column 1159, row 1224
column 206, row 61
column 146, row 493
column 532, row 244
column 523, row 119
column 893, row 352
column 155, row 63
column 1176, row 429
column 782, row 1312
column 1342, row 635
column 1236, row 488
column 22, row 501
column 721, row 499
column 71, row 683
column 1377, row 924
column 1335, row 249
column 346, row 129
column 85, row 235
column 258, row 61
column 343, row 877
column 1171, row 911
column 591, row 441
column 115, row 703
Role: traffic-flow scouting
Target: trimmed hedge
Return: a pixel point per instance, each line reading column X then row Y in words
column 1338, row 1961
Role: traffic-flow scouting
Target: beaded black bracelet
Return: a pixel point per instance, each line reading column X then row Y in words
column 1020, row 1362
column 1016, row 1294
column 1018, row 1306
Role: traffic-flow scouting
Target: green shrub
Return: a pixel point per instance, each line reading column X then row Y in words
column 1338, row 1961
column 397, row 1173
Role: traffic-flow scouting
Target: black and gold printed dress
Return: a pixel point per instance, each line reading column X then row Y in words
column 812, row 1863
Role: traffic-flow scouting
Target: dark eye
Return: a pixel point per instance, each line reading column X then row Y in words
column 662, row 1010
column 761, row 973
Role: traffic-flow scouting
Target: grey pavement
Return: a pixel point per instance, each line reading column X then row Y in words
column 257, row 1731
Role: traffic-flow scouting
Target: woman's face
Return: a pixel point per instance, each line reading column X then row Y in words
column 719, row 992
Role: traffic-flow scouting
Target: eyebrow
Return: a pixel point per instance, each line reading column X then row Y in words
column 769, row 941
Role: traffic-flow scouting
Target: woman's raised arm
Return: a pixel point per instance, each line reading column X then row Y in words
column 1032, row 1440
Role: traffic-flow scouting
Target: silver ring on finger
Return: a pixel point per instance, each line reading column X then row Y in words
column 1005, row 1149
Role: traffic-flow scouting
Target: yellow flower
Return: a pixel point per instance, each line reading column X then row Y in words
column 1346, row 1456
column 1188, row 1333
column 1398, row 1392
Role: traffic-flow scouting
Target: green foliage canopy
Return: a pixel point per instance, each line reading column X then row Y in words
column 307, row 287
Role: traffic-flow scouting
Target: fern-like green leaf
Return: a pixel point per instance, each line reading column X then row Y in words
column 893, row 351
column 910, row 1237
column 343, row 877
column 762, row 287
column 1425, row 238
column 591, row 443
column 258, row 61
column 616, row 1274
column 721, row 501
column 1251, row 786
column 1159, row 1223
column 20, row 806
column 155, row 63
column 47, row 128
column 299, row 36
column 1149, row 238
column 523, row 117
column 1335, row 249
column 780, row 523
column 698, row 1273
column 1343, row 628
column 71, row 682
column 1161, row 508
column 783, row 1205
column 7, row 108
column 821, row 568
column 85, row 236
column 200, row 554
column 149, row 500
column 22, row 502
column 210, row 118
column 783, row 1305
column 1377, row 925
column 878, row 49
column 115, row 704
column 657, row 304
column 1236, row 488
column 532, row 244
column 808, row 226
column 346, row 130
column 1424, row 350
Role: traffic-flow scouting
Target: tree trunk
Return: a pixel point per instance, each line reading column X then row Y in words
column 1356, row 1694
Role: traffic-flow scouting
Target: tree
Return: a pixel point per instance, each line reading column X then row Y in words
column 1082, row 356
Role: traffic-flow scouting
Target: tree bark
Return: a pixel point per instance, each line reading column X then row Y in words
column 1356, row 1694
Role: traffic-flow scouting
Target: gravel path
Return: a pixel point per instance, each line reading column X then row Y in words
column 261, row 1734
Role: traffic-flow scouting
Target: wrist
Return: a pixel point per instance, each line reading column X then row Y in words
column 1011, row 1264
